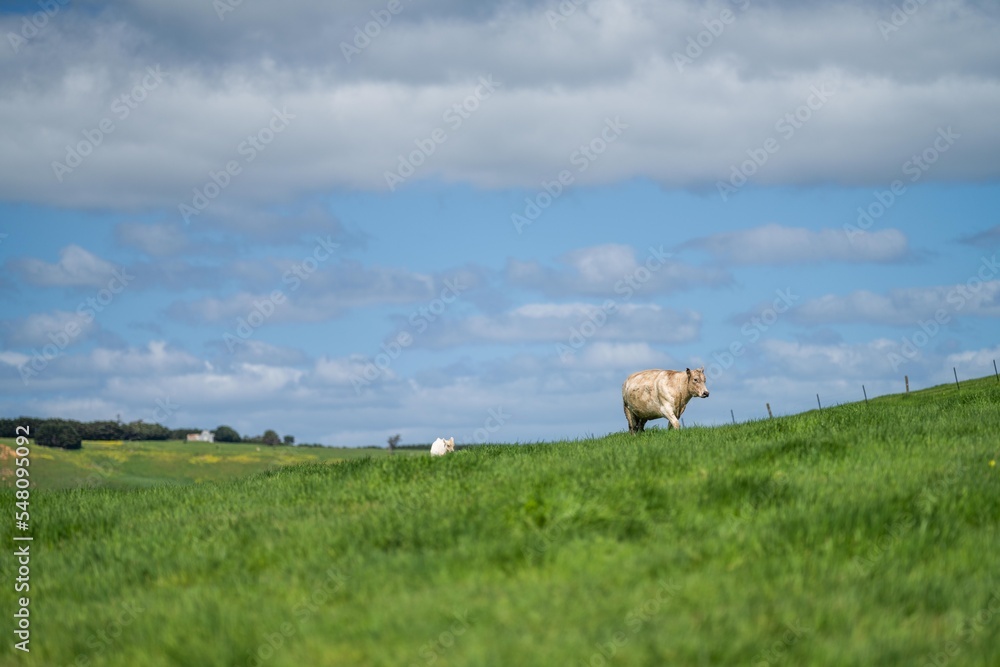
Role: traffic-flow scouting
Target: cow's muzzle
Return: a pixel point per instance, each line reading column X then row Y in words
column 704, row 394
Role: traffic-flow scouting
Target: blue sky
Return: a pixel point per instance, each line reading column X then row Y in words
column 477, row 222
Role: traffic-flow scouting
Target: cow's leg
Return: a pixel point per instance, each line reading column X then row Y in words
column 634, row 423
column 671, row 417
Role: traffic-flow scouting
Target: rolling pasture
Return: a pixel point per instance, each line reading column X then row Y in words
column 856, row 535
column 132, row 464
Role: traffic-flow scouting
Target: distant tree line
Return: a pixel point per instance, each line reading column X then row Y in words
column 270, row 437
column 69, row 434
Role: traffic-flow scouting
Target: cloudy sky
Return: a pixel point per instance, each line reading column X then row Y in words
column 447, row 218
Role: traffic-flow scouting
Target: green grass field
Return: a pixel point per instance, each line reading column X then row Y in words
column 856, row 535
column 132, row 464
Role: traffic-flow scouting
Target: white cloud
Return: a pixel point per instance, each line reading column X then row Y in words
column 77, row 267
column 255, row 351
column 841, row 360
column 903, row 306
column 153, row 239
column 613, row 270
column 978, row 362
column 59, row 328
column 620, row 356
column 685, row 128
column 14, row 359
column 311, row 294
column 155, row 360
column 347, row 371
column 567, row 323
column 777, row 244
column 244, row 384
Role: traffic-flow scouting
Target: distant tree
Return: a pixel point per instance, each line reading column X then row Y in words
column 58, row 433
column 102, row 430
column 140, row 430
column 270, row 438
column 8, row 427
column 132, row 430
column 289, row 439
column 226, row 434
column 157, row 432
column 393, row 441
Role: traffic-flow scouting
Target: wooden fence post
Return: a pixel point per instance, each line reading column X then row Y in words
column 866, row 394
column 907, row 378
column 818, row 405
column 955, row 371
column 770, row 416
column 732, row 415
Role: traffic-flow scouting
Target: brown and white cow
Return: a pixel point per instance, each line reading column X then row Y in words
column 655, row 393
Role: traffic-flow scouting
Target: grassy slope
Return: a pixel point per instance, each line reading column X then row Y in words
column 141, row 464
column 859, row 535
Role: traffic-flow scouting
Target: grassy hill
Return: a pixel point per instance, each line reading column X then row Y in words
column 856, row 535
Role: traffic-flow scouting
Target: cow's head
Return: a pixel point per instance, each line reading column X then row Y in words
column 449, row 444
column 696, row 382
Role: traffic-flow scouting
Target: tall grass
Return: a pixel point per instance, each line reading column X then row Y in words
column 855, row 535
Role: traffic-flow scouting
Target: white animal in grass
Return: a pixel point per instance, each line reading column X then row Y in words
column 655, row 393
column 442, row 447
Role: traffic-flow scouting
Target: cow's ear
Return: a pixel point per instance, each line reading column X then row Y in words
column 689, row 372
